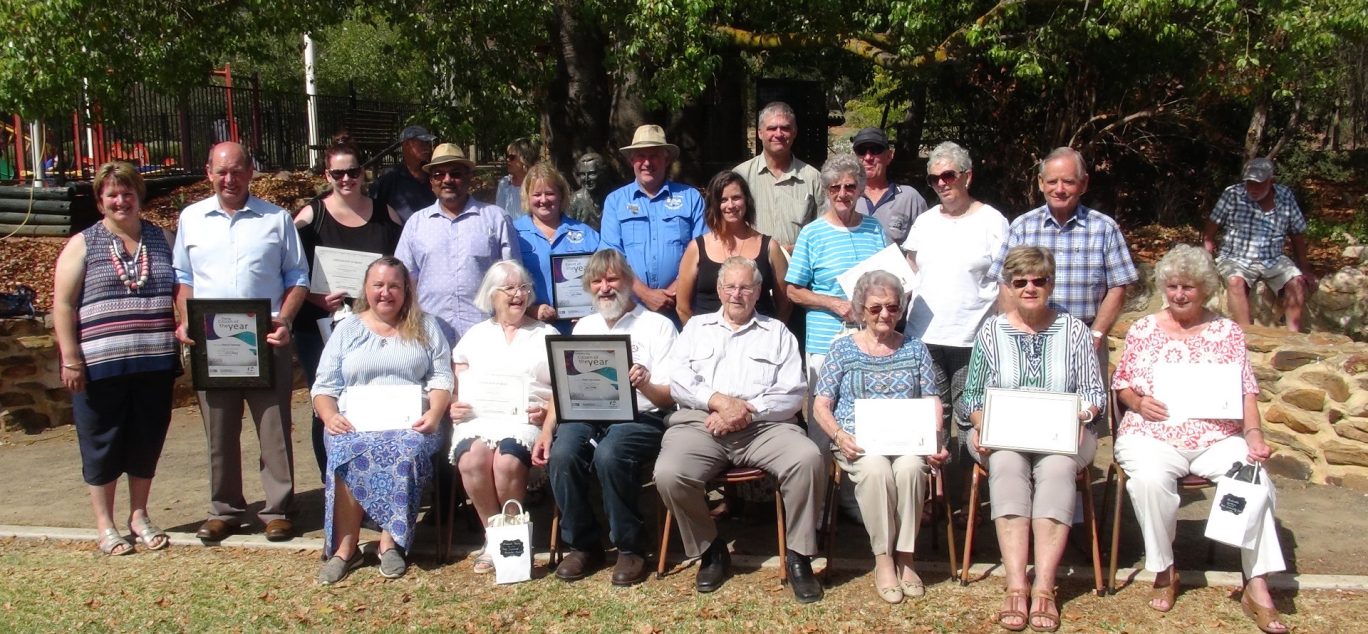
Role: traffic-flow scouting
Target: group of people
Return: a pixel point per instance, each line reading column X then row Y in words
column 707, row 286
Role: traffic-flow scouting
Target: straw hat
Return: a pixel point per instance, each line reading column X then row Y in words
column 648, row 136
column 446, row 154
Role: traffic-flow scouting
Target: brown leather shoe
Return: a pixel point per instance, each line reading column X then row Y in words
column 214, row 530
column 629, row 570
column 579, row 564
column 279, row 530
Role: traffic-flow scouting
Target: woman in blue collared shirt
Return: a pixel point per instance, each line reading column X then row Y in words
column 546, row 231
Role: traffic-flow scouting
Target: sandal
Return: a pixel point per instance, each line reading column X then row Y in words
column 1168, row 594
column 148, row 534
column 113, row 544
column 484, row 564
column 1013, row 597
column 1038, row 598
column 1263, row 617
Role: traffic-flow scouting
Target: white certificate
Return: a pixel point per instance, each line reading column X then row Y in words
column 383, row 407
column 896, row 426
column 890, row 259
column 231, row 345
column 569, row 298
column 495, row 397
column 1034, row 422
column 1200, row 390
column 339, row 270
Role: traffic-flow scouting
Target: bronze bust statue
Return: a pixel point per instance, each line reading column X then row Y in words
column 592, row 174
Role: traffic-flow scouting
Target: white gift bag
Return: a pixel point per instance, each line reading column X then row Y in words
column 508, row 541
column 1238, row 509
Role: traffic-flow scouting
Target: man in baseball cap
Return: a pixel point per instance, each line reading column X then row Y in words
column 1256, row 218
column 894, row 206
column 405, row 187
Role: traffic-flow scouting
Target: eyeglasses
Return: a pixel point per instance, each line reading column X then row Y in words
column 879, row 309
column 352, row 173
column 840, row 187
column 520, row 289
column 949, row 176
column 454, row 174
column 511, row 157
column 1038, row 282
column 870, row 149
column 734, row 289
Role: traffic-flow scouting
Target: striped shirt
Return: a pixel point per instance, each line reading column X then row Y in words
column 822, row 254
column 1059, row 358
column 1252, row 235
column 123, row 331
column 1090, row 256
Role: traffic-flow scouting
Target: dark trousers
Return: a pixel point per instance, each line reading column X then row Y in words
column 952, row 363
column 309, row 347
column 617, row 454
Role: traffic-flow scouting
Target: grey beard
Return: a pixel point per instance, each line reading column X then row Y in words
column 614, row 311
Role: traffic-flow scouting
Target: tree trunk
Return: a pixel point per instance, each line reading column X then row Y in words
column 575, row 112
column 910, row 130
column 1258, row 120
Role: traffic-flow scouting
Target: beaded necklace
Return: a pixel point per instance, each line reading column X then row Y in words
column 125, row 268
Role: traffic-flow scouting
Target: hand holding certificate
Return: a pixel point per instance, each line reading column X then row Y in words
column 495, row 397
column 383, row 407
column 568, row 296
column 1028, row 421
column 1199, row 390
column 890, row 259
column 896, row 426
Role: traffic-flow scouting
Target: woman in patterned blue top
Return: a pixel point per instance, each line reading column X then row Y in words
column 1034, row 346
column 379, row 474
column 880, row 362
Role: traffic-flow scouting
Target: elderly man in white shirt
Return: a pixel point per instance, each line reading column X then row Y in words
column 614, row 452
column 738, row 379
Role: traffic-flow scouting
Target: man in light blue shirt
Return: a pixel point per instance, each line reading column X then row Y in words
column 233, row 245
column 652, row 219
column 449, row 245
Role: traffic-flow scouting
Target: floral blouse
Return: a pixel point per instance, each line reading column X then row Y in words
column 1222, row 341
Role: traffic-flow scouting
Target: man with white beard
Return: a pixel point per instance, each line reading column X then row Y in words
column 615, row 452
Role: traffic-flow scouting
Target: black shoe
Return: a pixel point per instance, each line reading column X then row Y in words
column 713, row 567
column 806, row 587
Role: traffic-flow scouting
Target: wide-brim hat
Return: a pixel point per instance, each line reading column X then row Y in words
column 446, row 154
column 649, row 136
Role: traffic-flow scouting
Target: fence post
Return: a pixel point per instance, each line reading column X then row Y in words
column 18, row 148
column 311, row 90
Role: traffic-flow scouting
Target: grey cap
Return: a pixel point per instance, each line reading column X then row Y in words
column 416, row 132
column 1259, row 169
column 868, row 136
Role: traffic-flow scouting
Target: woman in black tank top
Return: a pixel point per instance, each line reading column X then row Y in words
column 730, row 216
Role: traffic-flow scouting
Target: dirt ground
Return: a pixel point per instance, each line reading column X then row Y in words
column 45, row 489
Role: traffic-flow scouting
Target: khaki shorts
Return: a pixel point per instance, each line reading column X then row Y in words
column 1276, row 276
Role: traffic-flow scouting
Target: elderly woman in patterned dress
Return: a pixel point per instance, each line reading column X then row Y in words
column 379, row 474
column 1156, row 450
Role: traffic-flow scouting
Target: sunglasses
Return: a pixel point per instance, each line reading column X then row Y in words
column 948, row 176
column 840, row 187
column 1038, row 282
column 869, row 149
column 454, row 174
column 352, row 173
column 878, row 309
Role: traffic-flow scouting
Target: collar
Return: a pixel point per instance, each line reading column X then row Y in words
column 249, row 206
column 891, row 192
column 1079, row 217
column 665, row 190
column 627, row 319
column 756, row 321
column 470, row 205
column 794, row 170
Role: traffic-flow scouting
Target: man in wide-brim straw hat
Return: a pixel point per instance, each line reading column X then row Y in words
column 652, row 219
column 450, row 244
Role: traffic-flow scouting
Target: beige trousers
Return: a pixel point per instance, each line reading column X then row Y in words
column 890, row 491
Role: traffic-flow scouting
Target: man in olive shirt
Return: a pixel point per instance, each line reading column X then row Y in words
column 786, row 190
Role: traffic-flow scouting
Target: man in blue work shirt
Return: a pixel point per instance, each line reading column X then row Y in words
column 652, row 219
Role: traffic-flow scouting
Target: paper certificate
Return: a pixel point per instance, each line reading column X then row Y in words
column 383, row 407
column 495, row 397
column 340, row 270
column 890, row 259
column 1200, row 390
column 232, row 345
column 568, row 296
column 896, row 426
column 1034, row 422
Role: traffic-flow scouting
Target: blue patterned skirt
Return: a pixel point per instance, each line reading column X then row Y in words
column 386, row 472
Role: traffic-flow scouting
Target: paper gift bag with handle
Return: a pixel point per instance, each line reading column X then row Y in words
column 1238, row 509
column 508, row 540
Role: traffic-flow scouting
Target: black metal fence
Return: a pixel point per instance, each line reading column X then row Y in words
column 173, row 133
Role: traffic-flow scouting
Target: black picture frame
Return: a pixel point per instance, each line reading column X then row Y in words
column 558, row 262
column 256, row 313
column 615, row 351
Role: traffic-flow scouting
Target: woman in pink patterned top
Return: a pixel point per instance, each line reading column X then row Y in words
column 1156, row 450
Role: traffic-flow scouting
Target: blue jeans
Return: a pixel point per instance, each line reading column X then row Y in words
column 622, row 452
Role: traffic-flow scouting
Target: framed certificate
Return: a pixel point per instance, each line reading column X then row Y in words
column 339, row 270
column 896, row 426
column 568, row 296
column 1027, row 421
column 230, row 350
column 589, row 377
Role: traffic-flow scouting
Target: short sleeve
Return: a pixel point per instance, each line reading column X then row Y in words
column 800, row 265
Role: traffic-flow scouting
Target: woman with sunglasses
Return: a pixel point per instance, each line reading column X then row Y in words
column 952, row 247
column 521, row 155
column 494, row 455
column 1033, row 346
column 344, row 218
column 880, row 362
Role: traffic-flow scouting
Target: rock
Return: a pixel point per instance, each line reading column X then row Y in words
column 18, row 371
column 1265, row 395
column 1351, row 481
column 1332, row 383
column 1264, row 373
column 1289, row 440
column 1352, row 428
column 1357, row 252
column 1290, row 465
column 1335, row 415
column 1355, row 364
column 42, row 342
column 15, row 399
column 1296, row 419
column 1328, row 339
column 1311, row 399
column 1291, row 359
column 1260, row 339
column 1345, row 452
column 23, row 419
column 1357, row 405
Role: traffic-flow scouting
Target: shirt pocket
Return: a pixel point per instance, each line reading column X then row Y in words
column 760, row 370
column 636, row 230
column 676, row 229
